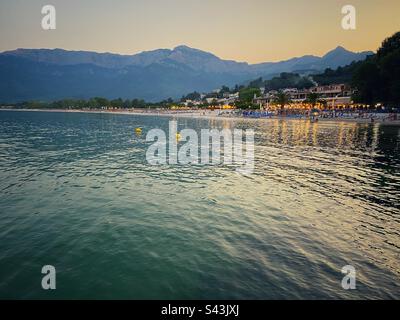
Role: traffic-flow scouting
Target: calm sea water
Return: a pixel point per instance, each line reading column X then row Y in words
column 77, row 193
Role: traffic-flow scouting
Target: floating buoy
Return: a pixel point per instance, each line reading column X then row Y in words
column 178, row 136
column 138, row 130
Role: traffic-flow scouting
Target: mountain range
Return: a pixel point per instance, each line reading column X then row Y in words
column 50, row 74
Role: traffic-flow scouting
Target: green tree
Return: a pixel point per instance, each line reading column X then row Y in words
column 138, row 103
column 127, row 104
column 224, row 89
column 191, row 96
column 389, row 64
column 117, row 103
column 258, row 83
column 377, row 79
column 247, row 94
column 99, row 102
column 281, row 99
column 367, row 80
column 313, row 98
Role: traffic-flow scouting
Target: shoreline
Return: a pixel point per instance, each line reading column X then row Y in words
column 210, row 115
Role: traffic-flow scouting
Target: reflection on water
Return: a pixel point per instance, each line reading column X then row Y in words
column 76, row 192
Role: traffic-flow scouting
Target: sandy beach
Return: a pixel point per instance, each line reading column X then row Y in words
column 215, row 114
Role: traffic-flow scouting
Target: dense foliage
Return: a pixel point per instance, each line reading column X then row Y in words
column 284, row 80
column 377, row 79
column 340, row 75
column 93, row 103
column 246, row 96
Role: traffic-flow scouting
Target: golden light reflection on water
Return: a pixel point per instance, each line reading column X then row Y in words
column 298, row 132
column 333, row 180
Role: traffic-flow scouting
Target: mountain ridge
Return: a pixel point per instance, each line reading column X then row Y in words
column 151, row 75
column 27, row 51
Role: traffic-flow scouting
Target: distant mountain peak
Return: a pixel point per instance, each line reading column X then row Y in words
column 184, row 47
column 340, row 48
column 192, row 51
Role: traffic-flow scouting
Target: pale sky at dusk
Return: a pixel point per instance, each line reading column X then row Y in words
column 251, row 31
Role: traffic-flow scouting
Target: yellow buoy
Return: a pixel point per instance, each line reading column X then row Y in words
column 178, row 136
column 138, row 130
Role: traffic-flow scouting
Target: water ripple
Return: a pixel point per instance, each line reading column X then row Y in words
column 77, row 192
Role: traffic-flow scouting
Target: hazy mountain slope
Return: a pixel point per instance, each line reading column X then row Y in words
column 44, row 74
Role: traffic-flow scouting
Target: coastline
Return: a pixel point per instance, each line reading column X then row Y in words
column 206, row 115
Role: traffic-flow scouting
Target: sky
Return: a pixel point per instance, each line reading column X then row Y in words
column 252, row 31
